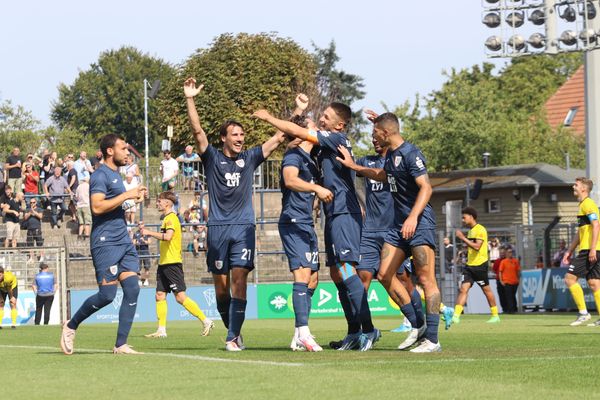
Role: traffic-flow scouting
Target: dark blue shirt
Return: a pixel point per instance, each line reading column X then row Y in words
column 296, row 207
column 402, row 166
column 229, row 183
column 45, row 283
column 335, row 177
column 108, row 229
column 378, row 198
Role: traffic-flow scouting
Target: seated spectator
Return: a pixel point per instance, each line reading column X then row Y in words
column 84, row 214
column 32, row 179
column 190, row 163
column 33, row 220
column 55, row 188
column 11, row 210
column 141, row 245
column 129, row 205
column 199, row 243
column 169, row 168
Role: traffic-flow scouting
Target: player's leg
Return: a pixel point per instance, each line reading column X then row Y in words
column 578, row 269
column 415, row 297
column 3, row 296
column 161, row 308
column 391, row 259
column 129, row 268
column 218, row 265
column 14, row 313
column 177, row 280
column 593, row 279
column 467, row 282
column 47, row 307
column 39, row 307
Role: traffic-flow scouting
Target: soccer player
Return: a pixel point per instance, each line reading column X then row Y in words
column 169, row 276
column 477, row 266
column 413, row 231
column 113, row 253
column 8, row 288
column 343, row 217
column 231, row 224
column 586, row 262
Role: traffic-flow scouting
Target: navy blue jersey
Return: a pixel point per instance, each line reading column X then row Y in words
column 335, row 177
column 296, row 207
column 402, row 166
column 378, row 198
column 229, row 183
column 108, row 229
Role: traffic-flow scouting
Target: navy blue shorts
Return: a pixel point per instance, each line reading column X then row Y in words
column 230, row 246
column 371, row 243
column 407, row 266
column 422, row 237
column 342, row 238
column 111, row 261
column 300, row 245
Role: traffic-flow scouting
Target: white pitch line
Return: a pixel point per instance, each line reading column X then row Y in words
column 172, row 355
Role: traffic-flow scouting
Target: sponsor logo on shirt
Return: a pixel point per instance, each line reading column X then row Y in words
column 233, row 179
column 114, row 180
column 419, row 163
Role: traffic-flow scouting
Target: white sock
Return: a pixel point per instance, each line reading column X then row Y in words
column 584, row 312
column 162, row 329
column 303, row 331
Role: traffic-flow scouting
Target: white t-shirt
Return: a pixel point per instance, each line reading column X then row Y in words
column 127, row 204
column 169, row 168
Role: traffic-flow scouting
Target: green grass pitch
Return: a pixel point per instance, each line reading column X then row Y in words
column 524, row 357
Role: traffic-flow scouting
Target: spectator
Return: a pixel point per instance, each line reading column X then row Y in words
column 12, row 213
column 13, row 169
column 97, row 160
column 2, row 183
column 448, row 255
column 199, row 243
column 55, row 188
column 141, row 245
column 33, row 220
column 83, row 167
column 557, row 258
column 496, row 268
column 510, row 275
column 84, row 214
column 65, row 161
column 44, row 288
column 73, row 181
column 494, row 249
column 189, row 159
column 169, row 168
column 32, row 178
column 132, row 167
column 48, row 164
column 129, row 205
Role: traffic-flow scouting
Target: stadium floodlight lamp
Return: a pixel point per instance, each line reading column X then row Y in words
column 591, row 10
column 515, row 19
column 568, row 37
column 493, row 43
column 492, row 20
column 588, row 36
column 517, row 42
column 537, row 17
column 537, row 40
column 569, row 14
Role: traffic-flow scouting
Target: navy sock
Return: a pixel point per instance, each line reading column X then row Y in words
column 415, row 300
column 409, row 313
column 223, row 304
column 353, row 324
column 237, row 314
column 309, row 299
column 131, row 291
column 106, row 294
column 358, row 298
column 299, row 300
column 433, row 321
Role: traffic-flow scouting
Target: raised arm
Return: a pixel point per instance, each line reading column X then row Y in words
column 286, row 127
column 270, row 145
column 377, row 174
column 190, row 90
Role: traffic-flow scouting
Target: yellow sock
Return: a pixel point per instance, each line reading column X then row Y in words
column 577, row 293
column 161, row 313
column 13, row 316
column 458, row 309
column 1, row 314
column 597, row 299
column 494, row 311
column 442, row 307
column 193, row 308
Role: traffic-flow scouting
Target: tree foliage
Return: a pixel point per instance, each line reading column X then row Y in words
column 109, row 96
column 18, row 128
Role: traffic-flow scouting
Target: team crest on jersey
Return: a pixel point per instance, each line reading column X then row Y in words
column 308, row 256
column 397, row 160
column 113, row 269
column 240, row 163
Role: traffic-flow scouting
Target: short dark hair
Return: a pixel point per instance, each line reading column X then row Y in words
column 1, row 269
column 342, row 111
column 108, row 142
column 388, row 118
column 299, row 120
column 470, row 211
column 227, row 124
column 168, row 195
column 44, row 266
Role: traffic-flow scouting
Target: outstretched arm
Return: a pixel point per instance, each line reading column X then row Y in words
column 377, row 174
column 190, row 90
column 270, row 145
column 286, row 127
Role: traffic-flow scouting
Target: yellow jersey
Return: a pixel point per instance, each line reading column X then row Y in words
column 9, row 282
column 477, row 257
column 170, row 250
column 588, row 212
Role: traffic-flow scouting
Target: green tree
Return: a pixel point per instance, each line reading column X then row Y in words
column 108, row 97
column 18, row 127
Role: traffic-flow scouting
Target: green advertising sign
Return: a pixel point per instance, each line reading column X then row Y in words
column 275, row 301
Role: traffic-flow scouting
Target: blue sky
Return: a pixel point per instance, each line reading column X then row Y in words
column 398, row 47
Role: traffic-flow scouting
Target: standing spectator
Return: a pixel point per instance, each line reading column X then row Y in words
column 96, row 161
column 141, row 245
column 84, row 214
column 12, row 213
column 32, row 179
column 55, row 188
column 2, row 183
column 13, row 169
column 129, row 205
column 83, row 166
column 499, row 285
column 169, row 168
column 65, row 161
column 510, row 275
column 448, row 255
column 132, row 167
column 557, row 258
column 73, row 181
column 494, row 250
column 33, row 217
column 44, row 288
column 189, row 159
column 47, row 169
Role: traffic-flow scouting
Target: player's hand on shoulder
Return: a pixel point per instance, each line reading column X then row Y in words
column 189, row 88
column 347, row 157
column 302, row 101
column 324, row 194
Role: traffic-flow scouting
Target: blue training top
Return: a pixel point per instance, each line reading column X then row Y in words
column 45, row 283
column 335, row 177
column 378, row 198
column 402, row 166
column 108, row 229
column 229, row 183
column 296, row 207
